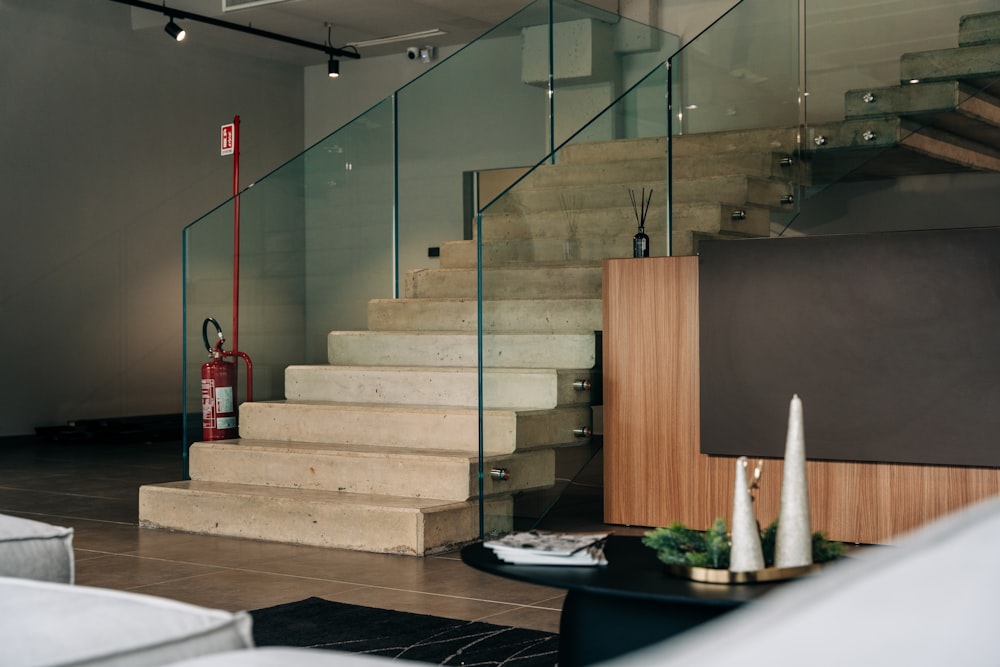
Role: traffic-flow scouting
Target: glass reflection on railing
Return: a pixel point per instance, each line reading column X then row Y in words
column 895, row 135
column 541, row 243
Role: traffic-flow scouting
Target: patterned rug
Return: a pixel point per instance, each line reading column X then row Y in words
column 321, row 624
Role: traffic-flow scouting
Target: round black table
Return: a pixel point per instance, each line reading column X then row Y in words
column 622, row 606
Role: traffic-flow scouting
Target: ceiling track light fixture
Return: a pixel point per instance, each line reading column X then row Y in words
column 175, row 31
column 171, row 13
column 333, row 66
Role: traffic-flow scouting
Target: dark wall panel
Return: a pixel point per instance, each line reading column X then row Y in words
column 891, row 340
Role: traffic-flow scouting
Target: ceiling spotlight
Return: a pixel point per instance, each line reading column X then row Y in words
column 175, row 31
column 333, row 68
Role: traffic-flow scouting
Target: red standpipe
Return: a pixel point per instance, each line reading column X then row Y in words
column 236, row 232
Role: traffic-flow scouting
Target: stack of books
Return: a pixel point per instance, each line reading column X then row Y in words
column 537, row 547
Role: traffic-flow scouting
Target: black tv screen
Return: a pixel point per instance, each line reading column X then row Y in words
column 891, row 340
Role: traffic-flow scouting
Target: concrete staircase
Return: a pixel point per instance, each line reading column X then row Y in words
column 377, row 451
column 943, row 117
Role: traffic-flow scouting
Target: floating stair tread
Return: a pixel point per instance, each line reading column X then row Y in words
column 979, row 65
column 977, row 29
column 394, row 409
column 369, row 469
column 598, row 173
column 278, row 493
column 951, row 106
column 893, row 147
column 510, row 388
column 329, row 519
column 521, row 315
column 346, row 449
column 577, row 281
column 460, row 348
column 435, row 427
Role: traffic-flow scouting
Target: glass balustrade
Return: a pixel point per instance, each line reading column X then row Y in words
column 528, row 157
column 786, row 117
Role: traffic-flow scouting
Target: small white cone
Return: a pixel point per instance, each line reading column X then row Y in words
column 793, row 543
column 746, row 554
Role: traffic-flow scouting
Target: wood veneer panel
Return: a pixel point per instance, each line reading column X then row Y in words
column 654, row 470
column 650, row 325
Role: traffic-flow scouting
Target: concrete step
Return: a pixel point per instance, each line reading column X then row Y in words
column 576, row 197
column 622, row 150
column 782, row 140
column 569, row 204
column 700, row 145
column 775, row 165
column 952, row 106
column 508, row 388
column 978, row 65
column 888, row 147
column 453, row 429
column 410, row 348
column 569, row 224
column 533, row 252
column 565, row 281
column 373, row 523
column 624, row 172
column 506, row 316
column 612, row 239
column 748, row 219
column 406, row 473
column 977, row 29
column 734, row 190
column 691, row 214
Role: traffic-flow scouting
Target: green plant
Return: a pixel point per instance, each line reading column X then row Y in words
column 678, row 545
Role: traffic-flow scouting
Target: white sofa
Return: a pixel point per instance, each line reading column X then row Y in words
column 35, row 550
column 933, row 599
column 45, row 623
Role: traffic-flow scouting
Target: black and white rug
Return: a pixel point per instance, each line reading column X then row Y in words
column 321, row 624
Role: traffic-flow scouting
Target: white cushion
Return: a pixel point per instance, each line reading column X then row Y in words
column 934, row 599
column 43, row 623
column 35, row 550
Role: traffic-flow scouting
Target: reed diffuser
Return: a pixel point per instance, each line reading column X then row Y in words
column 640, row 242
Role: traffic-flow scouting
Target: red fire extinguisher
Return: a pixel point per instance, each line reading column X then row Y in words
column 218, row 388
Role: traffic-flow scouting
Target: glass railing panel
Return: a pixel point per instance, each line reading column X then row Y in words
column 873, row 139
column 350, row 226
column 469, row 112
column 316, row 244
column 488, row 107
column 596, row 57
column 735, row 105
column 542, row 243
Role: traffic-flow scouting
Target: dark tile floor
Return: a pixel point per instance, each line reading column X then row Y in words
column 93, row 487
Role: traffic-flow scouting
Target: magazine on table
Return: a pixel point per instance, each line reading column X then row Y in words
column 536, row 547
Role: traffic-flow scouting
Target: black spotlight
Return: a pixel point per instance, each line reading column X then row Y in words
column 175, row 31
column 333, row 68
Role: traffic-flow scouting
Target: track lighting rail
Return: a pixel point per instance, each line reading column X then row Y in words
column 172, row 13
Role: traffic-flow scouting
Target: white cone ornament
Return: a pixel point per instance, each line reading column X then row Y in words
column 793, row 543
column 746, row 554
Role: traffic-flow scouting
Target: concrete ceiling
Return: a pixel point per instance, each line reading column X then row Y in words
column 351, row 21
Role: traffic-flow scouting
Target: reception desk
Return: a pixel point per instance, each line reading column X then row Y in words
column 654, row 470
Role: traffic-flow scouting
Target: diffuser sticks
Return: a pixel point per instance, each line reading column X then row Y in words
column 640, row 242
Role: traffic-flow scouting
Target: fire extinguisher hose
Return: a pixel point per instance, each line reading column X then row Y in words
column 218, row 352
column 204, row 335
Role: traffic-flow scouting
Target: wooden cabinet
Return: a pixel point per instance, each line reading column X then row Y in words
column 650, row 345
column 654, row 471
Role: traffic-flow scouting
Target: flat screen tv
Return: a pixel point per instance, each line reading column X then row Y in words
column 891, row 340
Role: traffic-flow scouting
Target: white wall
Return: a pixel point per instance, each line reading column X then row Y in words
column 108, row 148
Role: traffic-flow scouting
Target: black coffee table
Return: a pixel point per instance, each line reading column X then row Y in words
column 627, row 604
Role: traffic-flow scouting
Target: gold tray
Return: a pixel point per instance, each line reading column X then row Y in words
column 707, row 575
